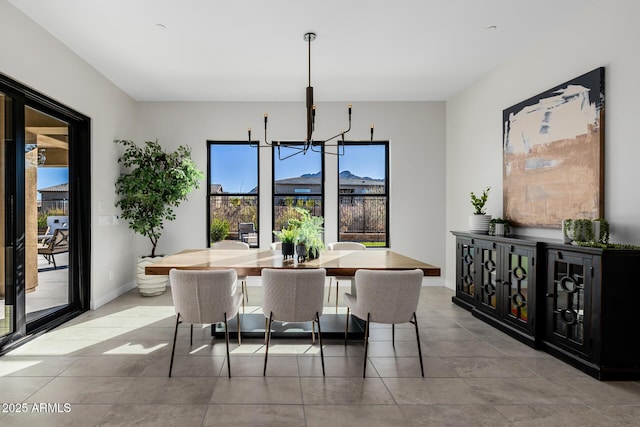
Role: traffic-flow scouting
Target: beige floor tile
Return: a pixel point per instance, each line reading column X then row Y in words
column 174, row 390
column 429, row 391
column 409, row 367
column 111, row 366
column 154, row 415
column 354, row 415
column 620, row 414
column 487, row 367
column 255, row 415
column 32, row 366
column 454, row 415
column 552, row 415
column 78, row 415
column 82, row 390
column 538, row 391
column 336, row 391
column 257, row 390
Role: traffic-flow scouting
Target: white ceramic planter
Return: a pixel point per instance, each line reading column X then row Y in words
column 479, row 223
column 149, row 285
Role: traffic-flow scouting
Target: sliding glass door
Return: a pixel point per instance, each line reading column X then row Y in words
column 7, row 290
column 45, row 211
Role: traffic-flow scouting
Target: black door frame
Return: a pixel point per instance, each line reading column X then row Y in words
column 79, row 211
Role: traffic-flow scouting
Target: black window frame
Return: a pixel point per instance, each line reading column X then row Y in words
column 386, row 193
column 210, row 194
column 318, row 148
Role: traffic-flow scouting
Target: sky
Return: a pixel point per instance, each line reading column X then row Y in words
column 48, row 177
column 235, row 165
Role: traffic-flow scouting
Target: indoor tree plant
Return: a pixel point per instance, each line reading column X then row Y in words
column 155, row 182
column 479, row 221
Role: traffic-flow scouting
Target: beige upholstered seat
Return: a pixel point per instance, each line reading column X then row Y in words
column 235, row 244
column 292, row 296
column 385, row 296
column 205, row 297
column 342, row 246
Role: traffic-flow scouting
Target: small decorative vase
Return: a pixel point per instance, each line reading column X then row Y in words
column 149, row 285
column 301, row 251
column 287, row 250
column 567, row 234
column 499, row 229
column 479, row 223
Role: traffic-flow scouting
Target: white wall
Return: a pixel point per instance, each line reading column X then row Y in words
column 604, row 34
column 31, row 56
column 417, row 158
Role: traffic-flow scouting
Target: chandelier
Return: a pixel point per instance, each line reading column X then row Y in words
column 309, row 143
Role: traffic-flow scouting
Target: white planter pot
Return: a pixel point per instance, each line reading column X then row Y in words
column 479, row 223
column 149, row 285
column 499, row 229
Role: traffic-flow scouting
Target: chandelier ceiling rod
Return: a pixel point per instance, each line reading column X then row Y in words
column 309, row 143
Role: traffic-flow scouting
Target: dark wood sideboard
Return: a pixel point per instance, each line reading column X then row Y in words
column 577, row 303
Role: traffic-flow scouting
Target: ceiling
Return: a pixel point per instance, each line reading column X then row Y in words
column 253, row 50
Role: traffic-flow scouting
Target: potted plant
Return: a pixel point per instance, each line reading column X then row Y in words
column 287, row 236
column 499, row 227
column 309, row 231
column 156, row 182
column 479, row 221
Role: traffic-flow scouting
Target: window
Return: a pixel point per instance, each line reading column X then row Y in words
column 363, row 194
column 298, row 181
column 233, row 192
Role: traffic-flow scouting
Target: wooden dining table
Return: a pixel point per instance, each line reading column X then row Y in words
column 251, row 262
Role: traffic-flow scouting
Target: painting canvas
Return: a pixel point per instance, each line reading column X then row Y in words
column 553, row 152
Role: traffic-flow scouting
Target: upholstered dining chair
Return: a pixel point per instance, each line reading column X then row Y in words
column 235, row 245
column 290, row 295
column 342, row 246
column 205, row 297
column 385, row 296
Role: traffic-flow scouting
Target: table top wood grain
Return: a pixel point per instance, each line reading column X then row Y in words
column 251, row 262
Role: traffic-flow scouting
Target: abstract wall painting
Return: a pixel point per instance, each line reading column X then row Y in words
column 553, row 150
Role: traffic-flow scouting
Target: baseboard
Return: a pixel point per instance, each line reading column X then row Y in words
column 99, row 302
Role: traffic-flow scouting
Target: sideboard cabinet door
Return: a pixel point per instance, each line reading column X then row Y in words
column 568, row 301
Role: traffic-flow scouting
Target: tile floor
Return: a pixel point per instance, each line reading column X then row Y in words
column 109, row 368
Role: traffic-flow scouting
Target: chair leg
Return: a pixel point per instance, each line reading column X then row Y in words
column 366, row 345
column 173, row 349
column 226, row 339
column 244, row 290
column 346, row 328
column 336, row 296
column 329, row 291
column 313, row 333
column 53, row 258
column 266, row 328
column 239, row 330
column 266, row 350
column 393, row 335
column 191, row 335
column 320, row 341
column 415, row 322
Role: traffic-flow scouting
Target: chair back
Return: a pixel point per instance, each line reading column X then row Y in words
column 59, row 242
column 230, row 244
column 346, row 246
column 203, row 296
column 246, row 227
column 293, row 295
column 389, row 296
